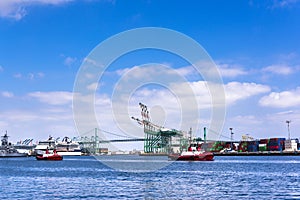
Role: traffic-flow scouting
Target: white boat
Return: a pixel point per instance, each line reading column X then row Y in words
column 66, row 147
column 42, row 146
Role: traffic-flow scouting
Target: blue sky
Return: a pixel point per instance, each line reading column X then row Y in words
column 255, row 45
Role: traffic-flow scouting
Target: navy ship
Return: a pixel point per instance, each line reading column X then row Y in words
column 8, row 150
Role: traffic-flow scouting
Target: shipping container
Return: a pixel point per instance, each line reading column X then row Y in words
column 276, row 144
column 263, row 147
column 243, row 146
column 218, row 146
column 253, row 146
column 263, row 141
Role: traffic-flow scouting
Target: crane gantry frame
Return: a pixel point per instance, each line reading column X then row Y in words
column 157, row 138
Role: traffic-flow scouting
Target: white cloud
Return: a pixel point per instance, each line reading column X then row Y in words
column 283, row 99
column 186, row 71
column 7, row 94
column 16, row 9
column 1, row 69
column 21, row 116
column 141, row 71
column 279, row 69
column 92, row 86
column 53, row 98
column 226, row 70
column 231, row 71
column 37, row 123
column 237, row 91
column 88, row 62
column 123, row 71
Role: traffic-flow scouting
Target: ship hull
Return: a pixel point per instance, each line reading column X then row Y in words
column 12, row 155
column 54, row 157
column 206, row 156
column 69, row 153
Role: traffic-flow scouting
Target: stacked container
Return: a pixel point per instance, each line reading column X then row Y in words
column 263, row 144
column 253, row 146
column 276, row 144
column 218, row 146
column 243, row 146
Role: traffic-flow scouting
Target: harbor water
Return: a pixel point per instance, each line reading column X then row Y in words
column 263, row 177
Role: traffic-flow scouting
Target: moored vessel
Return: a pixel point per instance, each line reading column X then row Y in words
column 193, row 156
column 26, row 146
column 8, row 150
column 66, row 147
column 194, row 153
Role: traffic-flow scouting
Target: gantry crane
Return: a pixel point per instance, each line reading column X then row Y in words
column 157, row 138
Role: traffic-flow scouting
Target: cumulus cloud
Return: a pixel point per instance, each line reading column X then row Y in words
column 237, row 91
column 234, row 92
column 283, row 99
column 186, row 71
column 16, row 9
column 53, row 98
column 226, row 70
column 279, row 69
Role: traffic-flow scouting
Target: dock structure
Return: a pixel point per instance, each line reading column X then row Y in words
column 162, row 141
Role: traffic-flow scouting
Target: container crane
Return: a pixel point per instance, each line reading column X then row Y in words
column 157, row 138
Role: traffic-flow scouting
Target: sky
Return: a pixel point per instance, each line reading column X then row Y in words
column 254, row 45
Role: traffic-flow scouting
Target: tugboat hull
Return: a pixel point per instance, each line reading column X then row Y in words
column 50, row 157
column 206, row 156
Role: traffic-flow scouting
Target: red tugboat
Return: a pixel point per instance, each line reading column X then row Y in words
column 49, row 156
column 193, row 154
